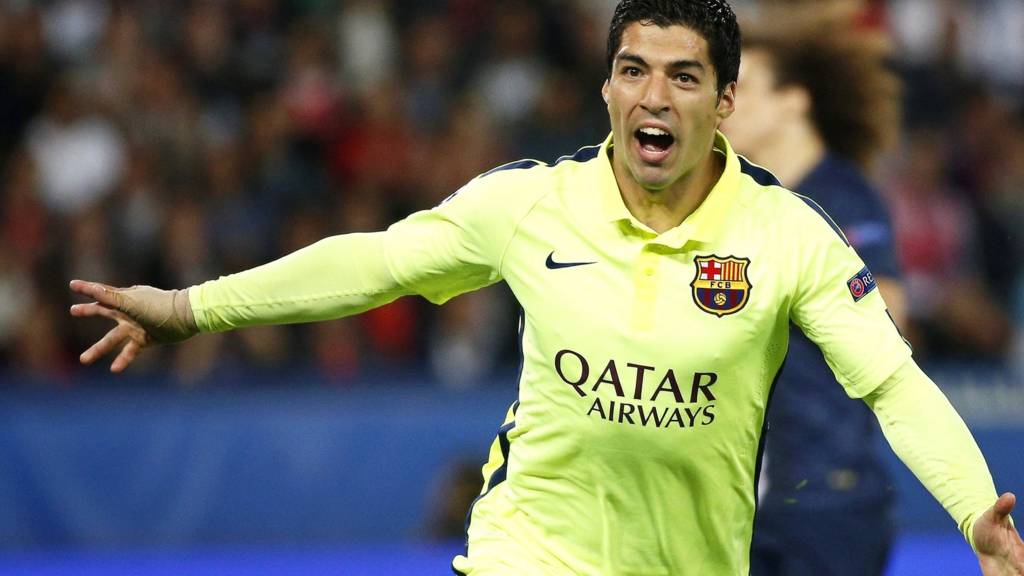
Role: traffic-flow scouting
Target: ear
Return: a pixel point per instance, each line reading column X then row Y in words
column 726, row 102
column 605, row 90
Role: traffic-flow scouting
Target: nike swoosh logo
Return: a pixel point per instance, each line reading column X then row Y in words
column 552, row 265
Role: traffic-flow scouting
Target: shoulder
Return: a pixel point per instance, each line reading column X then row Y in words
column 844, row 190
column 856, row 204
column 790, row 211
column 834, row 173
column 562, row 164
column 523, row 183
column 535, row 171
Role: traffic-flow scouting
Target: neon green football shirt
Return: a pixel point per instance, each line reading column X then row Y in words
column 648, row 360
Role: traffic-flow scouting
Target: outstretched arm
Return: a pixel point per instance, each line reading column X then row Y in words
column 335, row 277
column 456, row 247
column 932, row 440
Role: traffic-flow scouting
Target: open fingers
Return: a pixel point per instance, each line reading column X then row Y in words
column 113, row 338
column 128, row 335
column 102, row 293
column 95, row 309
column 127, row 355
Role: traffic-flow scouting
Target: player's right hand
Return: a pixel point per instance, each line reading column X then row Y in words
column 144, row 316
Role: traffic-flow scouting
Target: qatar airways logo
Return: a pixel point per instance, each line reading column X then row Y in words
column 637, row 387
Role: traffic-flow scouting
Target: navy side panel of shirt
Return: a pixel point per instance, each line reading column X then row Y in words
column 820, row 443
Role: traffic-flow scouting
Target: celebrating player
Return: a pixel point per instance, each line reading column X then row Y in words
column 658, row 273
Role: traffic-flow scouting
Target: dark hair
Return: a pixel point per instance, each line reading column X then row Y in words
column 855, row 96
column 712, row 19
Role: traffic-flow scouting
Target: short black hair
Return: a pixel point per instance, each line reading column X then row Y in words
column 712, row 19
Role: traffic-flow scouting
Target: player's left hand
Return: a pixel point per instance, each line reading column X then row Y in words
column 1000, row 549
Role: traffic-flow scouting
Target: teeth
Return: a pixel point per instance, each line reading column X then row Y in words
column 653, row 132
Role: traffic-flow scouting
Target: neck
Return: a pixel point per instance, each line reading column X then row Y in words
column 792, row 154
column 662, row 210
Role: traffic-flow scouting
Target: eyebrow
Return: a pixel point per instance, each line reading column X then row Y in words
column 673, row 65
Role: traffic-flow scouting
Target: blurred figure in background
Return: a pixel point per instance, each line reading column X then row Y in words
column 816, row 105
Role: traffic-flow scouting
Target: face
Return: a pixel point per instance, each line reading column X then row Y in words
column 761, row 107
column 663, row 104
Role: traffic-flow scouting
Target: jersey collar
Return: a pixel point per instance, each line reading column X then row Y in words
column 702, row 226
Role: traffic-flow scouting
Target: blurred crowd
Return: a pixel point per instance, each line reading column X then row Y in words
column 166, row 143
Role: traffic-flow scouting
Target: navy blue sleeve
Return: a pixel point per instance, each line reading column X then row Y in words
column 871, row 236
column 858, row 208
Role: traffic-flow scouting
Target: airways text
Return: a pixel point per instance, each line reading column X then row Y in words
column 635, row 392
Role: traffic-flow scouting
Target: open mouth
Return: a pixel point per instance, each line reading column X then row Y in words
column 655, row 143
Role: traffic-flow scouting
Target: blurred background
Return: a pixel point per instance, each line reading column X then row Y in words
column 166, row 143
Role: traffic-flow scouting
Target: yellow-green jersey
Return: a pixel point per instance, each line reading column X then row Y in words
column 648, row 359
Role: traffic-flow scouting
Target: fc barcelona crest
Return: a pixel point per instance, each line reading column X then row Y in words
column 721, row 286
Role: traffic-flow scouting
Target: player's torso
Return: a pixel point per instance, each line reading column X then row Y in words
column 645, row 377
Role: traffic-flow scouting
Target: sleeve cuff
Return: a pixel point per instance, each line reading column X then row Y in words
column 195, row 299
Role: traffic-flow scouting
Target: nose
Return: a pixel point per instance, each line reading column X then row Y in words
column 655, row 97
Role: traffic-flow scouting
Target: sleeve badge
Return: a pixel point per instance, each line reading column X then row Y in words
column 862, row 284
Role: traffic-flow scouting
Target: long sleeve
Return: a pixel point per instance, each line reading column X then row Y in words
column 929, row 436
column 335, row 277
column 454, row 248
column 837, row 305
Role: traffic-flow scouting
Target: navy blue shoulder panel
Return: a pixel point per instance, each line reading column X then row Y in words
column 824, row 216
column 520, row 165
column 584, row 154
column 760, row 175
column 766, row 178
